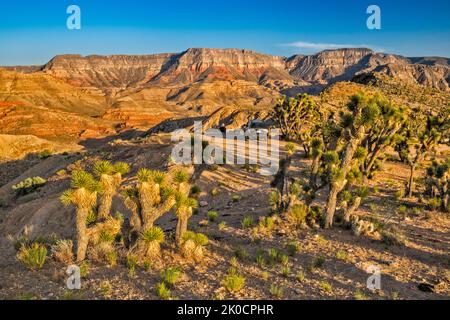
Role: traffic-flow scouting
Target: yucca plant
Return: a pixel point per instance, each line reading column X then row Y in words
column 149, row 244
column 110, row 179
column 171, row 275
column 33, row 256
column 184, row 208
column 192, row 245
column 83, row 195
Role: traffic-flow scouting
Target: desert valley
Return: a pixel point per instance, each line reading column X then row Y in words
column 87, row 178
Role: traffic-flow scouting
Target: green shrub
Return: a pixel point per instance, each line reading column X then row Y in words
column 241, row 253
column 171, row 275
column 286, row 271
column 29, row 185
column 319, row 262
column 300, row 276
column 399, row 194
column 273, row 255
column 233, row 282
column 247, row 222
column 434, row 203
column 33, row 256
column 297, row 214
column 162, row 291
column 222, row 225
column 215, row 192
column 260, row 260
column 132, row 262
column 195, row 190
column 236, row 198
column 326, row 286
column 276, row 291
column 212, row 216
column 293, row 247
column 45, row 154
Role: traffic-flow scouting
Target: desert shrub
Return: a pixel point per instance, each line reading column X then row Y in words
column 297, row 215
column 62, row 251
column 318, row 262
column 282, row 258
column 273, row 255
column 276, row 291
column 342, row 255
column 434, row 203
column 392, row 236
column 286, row 271
column 241, row 253
column 71, row 295
column 266, row 223
column 111, row 257
column 234, row 261
column 292, row 248
column 84, row 269
column 195, row 190
column 236, row 198
column 247, row 222
column 132, row 262
column 233, row 282
column 290, row 148
column 300, row 276
column 212, row 216
column 33, row 256
column 260, row 260
column 326, row 286
column 215, row 192
column 402, row 210
column 105, row 288
column 399, row 194
column 29, row 185
column 45, row 154
column 162, row 291
column 222, row 225
column 171, row 275
column 359, row 295
column 192, row 245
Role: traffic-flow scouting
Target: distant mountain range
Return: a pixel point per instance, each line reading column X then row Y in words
column 76, row 97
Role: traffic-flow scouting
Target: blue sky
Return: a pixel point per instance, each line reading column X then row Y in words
column 31, row 32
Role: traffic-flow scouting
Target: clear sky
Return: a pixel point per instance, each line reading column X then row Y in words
column 31, row 32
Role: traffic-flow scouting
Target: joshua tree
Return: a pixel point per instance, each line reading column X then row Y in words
column 184, row 204
column 438, row 182
column 353, row 132
column 110, row 179
column 83, row 195
column 151, row 198
column 421, row 134
column 293, row 116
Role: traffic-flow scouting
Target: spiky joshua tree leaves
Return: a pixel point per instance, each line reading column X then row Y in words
column 83, row 195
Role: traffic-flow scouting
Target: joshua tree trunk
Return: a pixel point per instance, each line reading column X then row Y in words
column 338, row 185
column 183, row 218
column 82, row 234
column 105, row 206
column 350, row 210
column 314, row 171
column 154, row 213
column 412, row 168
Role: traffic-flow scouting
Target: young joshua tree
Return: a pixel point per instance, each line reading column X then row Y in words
column 438, row 182
column 83, row 195
column 110, row 179
column 184, row 204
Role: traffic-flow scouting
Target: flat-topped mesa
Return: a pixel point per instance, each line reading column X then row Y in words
column 220, row 64
column 107, row 72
